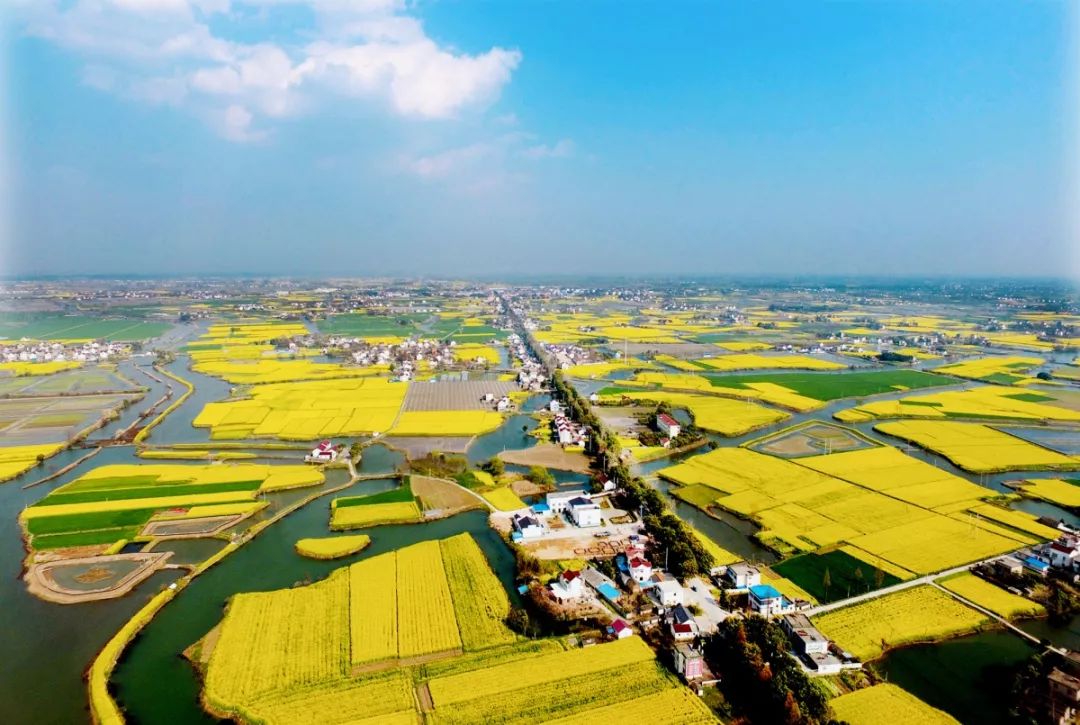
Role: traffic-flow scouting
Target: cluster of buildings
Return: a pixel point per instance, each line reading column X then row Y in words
column 566, row 431
column 569, row 355
column 405, row 356
column 1063, row 555
column 575, row 506
column 58, row 352
column 326, row 452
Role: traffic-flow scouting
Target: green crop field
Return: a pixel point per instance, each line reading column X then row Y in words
column 808, row 571
column 85, row 538
column 402, row 494
column 833, row 386
column 125, row 494
column 64, row 327
column 370, row 325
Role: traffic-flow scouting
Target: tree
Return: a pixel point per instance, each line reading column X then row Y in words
column 495, row 466
column 879, row 578
column 541, row 477
column 826, row 581
column 859, row 574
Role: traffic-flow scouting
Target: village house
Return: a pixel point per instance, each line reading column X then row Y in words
column 666, row 590
column 526, row 527
column 584, row 512
column 621, row 630
column 640, row 569
column 689, row 662
column 804, row 636
column 559, row 501
column 668, row 425
column 569, row 585
column 682, row 624
column 741, row 576
column 323, row 453
column 767, row 601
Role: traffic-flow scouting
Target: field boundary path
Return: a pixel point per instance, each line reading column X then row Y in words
column 994, row 615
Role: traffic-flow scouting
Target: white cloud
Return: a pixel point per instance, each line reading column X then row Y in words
column 562, row 149
column 164, row 51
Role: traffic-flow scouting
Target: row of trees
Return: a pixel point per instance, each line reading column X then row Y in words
column 761, row 682
column 672, row 540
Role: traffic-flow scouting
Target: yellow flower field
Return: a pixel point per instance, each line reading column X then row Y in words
column 277, row 640
column 603, row 369
column 719, row 415
column 491, row 682
column 468, row 352
column 15, row 460
column 309, row 410
column 373, row 514
column 426, row 619
column 900, row 476
column 1053, row 490
column 886, row 704
column 749, row 361
column 989, row 596
column 978, row 448
column 743, row 346
column 806, row 509
column 504, row 499
column 674, row 706
column 987, row 367
column 332, row 547
column 373, row 608
column 919, row 614
column 480, row 602
column 991, row 401
column 19, row 369
column 446, row 422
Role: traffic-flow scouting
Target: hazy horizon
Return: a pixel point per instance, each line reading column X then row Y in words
column 321, row 138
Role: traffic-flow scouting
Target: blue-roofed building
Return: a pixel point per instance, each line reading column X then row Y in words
column 609, row 592
column 1034, row 565
column 767, row 601
column 541, row 509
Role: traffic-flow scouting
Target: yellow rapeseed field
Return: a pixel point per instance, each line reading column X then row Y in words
column 19, row 369
column 480, row 601
column 991, row 401
column 15, row 460
column 900, row 476
column 493, row 681
column 332, row 547
column 976, row 447
column 504, row 499
column 373, row 608
column 1053, row 490
column 919, row 614
column 992, row 597
column 750, row 361
column 720, row 415
column 468, row 352
column 802, row 509
column 986, row 367
column 426, row 619
column 673, row 706
column 886, row 704
column 280, row 639
column 373, row 514
column 309, row 410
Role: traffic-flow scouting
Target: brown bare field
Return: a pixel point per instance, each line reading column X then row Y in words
column 445, row 496
column 548, row 455
column 455, row 395
column 811, row 440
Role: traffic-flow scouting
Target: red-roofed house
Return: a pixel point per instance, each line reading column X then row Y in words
column 640, row 569
column 621, row 629
column 668, row 425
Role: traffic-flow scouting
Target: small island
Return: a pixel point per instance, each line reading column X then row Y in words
column 332, row 547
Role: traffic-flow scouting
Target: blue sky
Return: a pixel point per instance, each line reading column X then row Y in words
column 493, row 138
